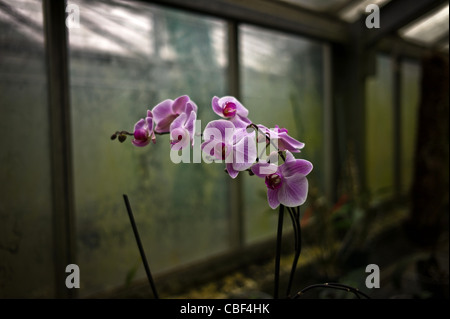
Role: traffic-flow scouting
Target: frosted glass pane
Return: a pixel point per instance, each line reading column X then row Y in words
column 122, row 63
column 379, row 131
column 409, row 107
column 281, row 85
column 26, row 245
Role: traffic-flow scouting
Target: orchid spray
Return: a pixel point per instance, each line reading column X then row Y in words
column 243, row 146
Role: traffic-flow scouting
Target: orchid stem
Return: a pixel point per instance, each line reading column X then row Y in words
column 141, row 249
column 336, row 286
column 256, row 128
column 295, row 217
column 278, row 251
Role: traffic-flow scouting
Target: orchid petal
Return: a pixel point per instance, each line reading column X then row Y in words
column 240, row 109
column 209, row 146
column 190, row 125
column 240, row 122
column 180, row 138
column 231, row 171
column 264, row 169
column 219, row 129
column 272, row 198
column 286, row 142
column 190, row 107
column 289, row 157
column 294, row 190
column 163, row 126
column 178, row 122
column 162, row 110
column 179, row 105
column 216, row 107
column 149, row 123
column 140, row 143
column 139, row 124
column 299, row 166
column 244, row 153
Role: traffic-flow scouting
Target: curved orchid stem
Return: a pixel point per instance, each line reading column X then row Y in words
column 257, row 129
column 278, row 252
column 131, row 134
column 295, row 217
column 119, row 133
column 161, row 133
column 336, row 286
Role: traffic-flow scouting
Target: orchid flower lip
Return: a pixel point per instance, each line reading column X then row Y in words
column 141, row 134
column 229, row 110
column 274, row 181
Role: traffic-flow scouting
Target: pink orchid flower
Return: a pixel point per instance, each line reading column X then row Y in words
column 168, row 110
column 287, row 183
column 283, row 140
column 230, row 108
column 143, row 131
column 236, row 146
column 182, row 129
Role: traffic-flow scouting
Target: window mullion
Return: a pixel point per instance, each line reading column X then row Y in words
column 60, row 141
column 237, row 236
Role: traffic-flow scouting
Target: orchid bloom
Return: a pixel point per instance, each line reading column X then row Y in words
column 285, row 142
column 234, row 145
column 287, row 183
column 182, row 129
column 143, row 131
column 230, row 108
column 168, row 110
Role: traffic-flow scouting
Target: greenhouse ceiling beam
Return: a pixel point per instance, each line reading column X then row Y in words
column 441, row 42
column 269, row 14
column 394, row 44
column 397, row 14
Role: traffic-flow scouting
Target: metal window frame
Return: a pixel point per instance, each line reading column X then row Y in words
column 345, row 45
column 60, row 141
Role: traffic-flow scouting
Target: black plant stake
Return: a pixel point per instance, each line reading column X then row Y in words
column 141, row 249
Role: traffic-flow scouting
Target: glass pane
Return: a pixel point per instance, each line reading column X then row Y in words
column 379, row 131
column 26, row 245
column 281, row 85
column 123, row 62
column 410, row 104
column 428, row 29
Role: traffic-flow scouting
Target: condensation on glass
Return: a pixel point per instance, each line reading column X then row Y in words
column 26, row 242
column 125, row 58
column 282, row 84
